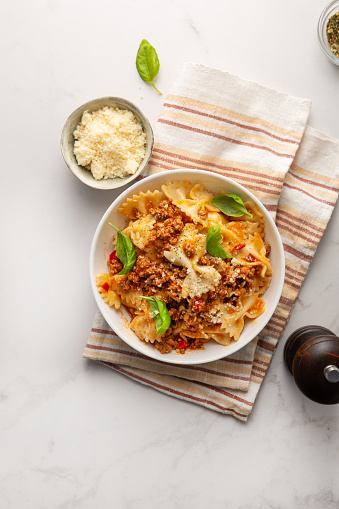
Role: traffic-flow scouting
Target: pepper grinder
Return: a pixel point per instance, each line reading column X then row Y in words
column 311, row 353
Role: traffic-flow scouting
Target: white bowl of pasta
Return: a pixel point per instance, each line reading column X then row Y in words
column 187, row 266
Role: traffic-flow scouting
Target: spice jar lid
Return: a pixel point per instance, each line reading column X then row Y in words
column 315, row 369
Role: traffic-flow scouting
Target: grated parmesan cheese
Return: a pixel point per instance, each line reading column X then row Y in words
column 110, row 142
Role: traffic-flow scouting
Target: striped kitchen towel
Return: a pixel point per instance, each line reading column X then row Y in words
column 214, row 121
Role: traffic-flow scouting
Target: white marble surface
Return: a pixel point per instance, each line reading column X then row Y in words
column 74, row 434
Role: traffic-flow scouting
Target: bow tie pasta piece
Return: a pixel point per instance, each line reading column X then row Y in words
column 177, row 190
column 219, row 336
column 199, row 193
column 213, row 332
column 232, row 322
column 257, row 218
column 243, row 229
column 229, row 238
column 256, row 213
column 176, row 254
column 199, row 279
column 106, row 290
column 140, row 230
column 193, row 209
column 193, row 200
column 191, row 334
column 130, row 298
column 254, row 254
column 144, row 328
column 141, row 203
column 214, row 218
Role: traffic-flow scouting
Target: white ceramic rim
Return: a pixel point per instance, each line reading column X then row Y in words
column 153, row 352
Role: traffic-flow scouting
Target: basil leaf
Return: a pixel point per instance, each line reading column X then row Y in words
column 230, row 204
column 125, row 251
column 147, row 63
column 160, row 314
column 213, row 247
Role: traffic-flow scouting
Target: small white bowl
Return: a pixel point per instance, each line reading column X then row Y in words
column 67, row 142
column 102, row 246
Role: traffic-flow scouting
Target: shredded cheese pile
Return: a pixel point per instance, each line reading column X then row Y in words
column 110, row 142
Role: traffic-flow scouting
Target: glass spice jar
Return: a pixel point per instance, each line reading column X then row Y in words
column 330, row 10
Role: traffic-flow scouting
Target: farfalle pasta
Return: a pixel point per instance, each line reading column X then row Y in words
column 208, row 297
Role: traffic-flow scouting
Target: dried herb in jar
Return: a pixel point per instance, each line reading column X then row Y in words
column 332, row 31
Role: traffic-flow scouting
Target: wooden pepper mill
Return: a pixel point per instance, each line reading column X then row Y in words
column 311, row 354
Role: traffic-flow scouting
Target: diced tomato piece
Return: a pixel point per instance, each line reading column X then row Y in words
column 198, row 305
column 182, row 345
column 105, row 286
column 113, row 256
column 239, row 246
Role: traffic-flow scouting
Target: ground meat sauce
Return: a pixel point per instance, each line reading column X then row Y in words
column 188, row 249
column 115, row 266
column 158, row 276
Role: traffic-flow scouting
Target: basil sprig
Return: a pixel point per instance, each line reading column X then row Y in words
column 147, row 63
column 213, row 247
column 160, row 314
column 230, row 204
column 125, row 251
